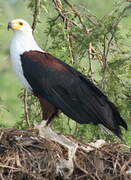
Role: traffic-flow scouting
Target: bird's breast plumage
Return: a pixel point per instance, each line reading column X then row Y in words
column 16, row 63
column 21, row 43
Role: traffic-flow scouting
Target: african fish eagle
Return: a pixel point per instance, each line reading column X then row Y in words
column 59, row 86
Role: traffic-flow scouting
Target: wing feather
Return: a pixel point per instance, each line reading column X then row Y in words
column 70, row 91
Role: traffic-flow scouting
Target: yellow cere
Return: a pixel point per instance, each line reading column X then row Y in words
column 16, row 25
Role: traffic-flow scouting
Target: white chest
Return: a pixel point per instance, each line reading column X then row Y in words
column 16, row 63
column 21, row 43
column 15, row 51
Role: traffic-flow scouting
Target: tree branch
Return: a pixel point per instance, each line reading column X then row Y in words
column 36, row 13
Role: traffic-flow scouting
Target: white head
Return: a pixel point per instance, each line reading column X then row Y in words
column 23, row 39
column 20, row 26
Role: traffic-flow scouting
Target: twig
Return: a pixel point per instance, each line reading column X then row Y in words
column 107, row 48
column 79, row 16
column 62, row 13
column 36, row 13
column 26, row 113
column 70, row 42
column 89, row 55
column 1, row 176
column 9, row 167
column 68, row 122
column 34, row 23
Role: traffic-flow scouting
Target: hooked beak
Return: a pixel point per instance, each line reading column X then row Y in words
column 9, row 26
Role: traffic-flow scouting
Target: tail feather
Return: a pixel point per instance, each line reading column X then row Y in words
column 116, row 131
column 104, row 112
column 117, row 116
column 118, row 121
column 113, row 120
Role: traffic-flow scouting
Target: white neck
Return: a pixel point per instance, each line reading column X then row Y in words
column 22, row 42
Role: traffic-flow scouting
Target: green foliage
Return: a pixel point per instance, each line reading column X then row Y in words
column 96, row 42
column 94, row 46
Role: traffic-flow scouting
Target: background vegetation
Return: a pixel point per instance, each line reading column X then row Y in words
column 93, row 36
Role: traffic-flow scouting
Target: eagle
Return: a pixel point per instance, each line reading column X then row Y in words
column 59, row 86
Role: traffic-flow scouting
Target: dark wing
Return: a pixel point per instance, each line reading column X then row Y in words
column 70, row 91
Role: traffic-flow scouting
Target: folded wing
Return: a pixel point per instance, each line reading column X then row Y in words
column 70, row 91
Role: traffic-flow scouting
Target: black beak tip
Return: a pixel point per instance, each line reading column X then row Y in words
column 9, row 26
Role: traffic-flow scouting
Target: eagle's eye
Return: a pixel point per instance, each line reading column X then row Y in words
column 20, row 23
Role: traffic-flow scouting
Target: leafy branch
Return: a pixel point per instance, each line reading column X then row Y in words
column 90, row 44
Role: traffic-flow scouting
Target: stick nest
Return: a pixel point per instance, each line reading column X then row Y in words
column 26, row 156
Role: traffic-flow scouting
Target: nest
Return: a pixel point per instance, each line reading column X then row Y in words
column 24, row 155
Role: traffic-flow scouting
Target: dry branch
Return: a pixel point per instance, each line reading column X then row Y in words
column 25, row 155
column 36, row 13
